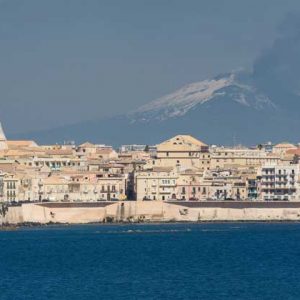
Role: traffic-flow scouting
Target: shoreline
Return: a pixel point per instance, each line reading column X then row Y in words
column 41, row 214
column 8, row 227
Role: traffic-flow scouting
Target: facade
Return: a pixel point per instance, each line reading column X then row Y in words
column 190, row 186
column 234, row 157
column 11, row 184
column 156, row 184
column 279, row 182
column 182, row 152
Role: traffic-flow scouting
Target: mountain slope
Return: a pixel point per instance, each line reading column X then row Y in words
column 197, row 94
column 226, row 109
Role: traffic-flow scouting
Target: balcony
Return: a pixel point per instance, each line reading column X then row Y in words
column 167, row 184
column 281, row 182
column 166, row 191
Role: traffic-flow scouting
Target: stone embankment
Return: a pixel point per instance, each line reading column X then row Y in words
column 150, row 211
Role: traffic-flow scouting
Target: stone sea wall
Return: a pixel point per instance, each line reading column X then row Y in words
column 152, row 211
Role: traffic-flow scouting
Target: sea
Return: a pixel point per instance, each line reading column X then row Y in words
column 156, row 261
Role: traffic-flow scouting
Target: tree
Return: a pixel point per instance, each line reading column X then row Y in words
column 3, row 212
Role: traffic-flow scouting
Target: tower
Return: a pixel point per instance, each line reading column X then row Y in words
column 3, row 144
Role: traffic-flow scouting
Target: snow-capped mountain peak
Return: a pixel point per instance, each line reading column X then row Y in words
column 185, row 98
column 189, row 96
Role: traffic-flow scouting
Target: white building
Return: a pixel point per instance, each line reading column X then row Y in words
column 279, row 182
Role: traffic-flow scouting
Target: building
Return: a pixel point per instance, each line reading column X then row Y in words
column 190, row 186
column 158, row 183
column 279, row 182
column 182, row 152
column 224, row 158
column 282, row 148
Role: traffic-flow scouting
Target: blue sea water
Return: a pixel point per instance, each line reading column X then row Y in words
column 170, row 261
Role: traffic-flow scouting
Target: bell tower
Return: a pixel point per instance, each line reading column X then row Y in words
column 3, row 140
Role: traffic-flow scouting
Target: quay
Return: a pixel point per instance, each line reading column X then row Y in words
column 150, row 211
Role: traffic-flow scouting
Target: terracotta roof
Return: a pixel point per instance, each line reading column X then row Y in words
column 55, row 180
column 293, row 151
column 27, row 143
column 59, row 152
column 104, row 151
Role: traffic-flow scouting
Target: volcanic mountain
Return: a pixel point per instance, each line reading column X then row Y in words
column 239, row 107
column 226, row 109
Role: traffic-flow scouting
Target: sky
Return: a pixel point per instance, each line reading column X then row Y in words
column 63, row 62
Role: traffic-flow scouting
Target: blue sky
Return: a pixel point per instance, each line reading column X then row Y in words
column 67, row 61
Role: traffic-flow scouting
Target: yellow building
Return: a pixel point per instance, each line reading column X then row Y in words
column 156, row 184
column 183, row 152
column 224, row 158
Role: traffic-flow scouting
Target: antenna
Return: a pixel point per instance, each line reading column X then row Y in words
column 234, row 140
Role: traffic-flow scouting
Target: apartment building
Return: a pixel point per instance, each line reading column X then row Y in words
column 279, row 183
column 224, row 158
column 158, row 183
column 11, row 184
column 190, row 186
